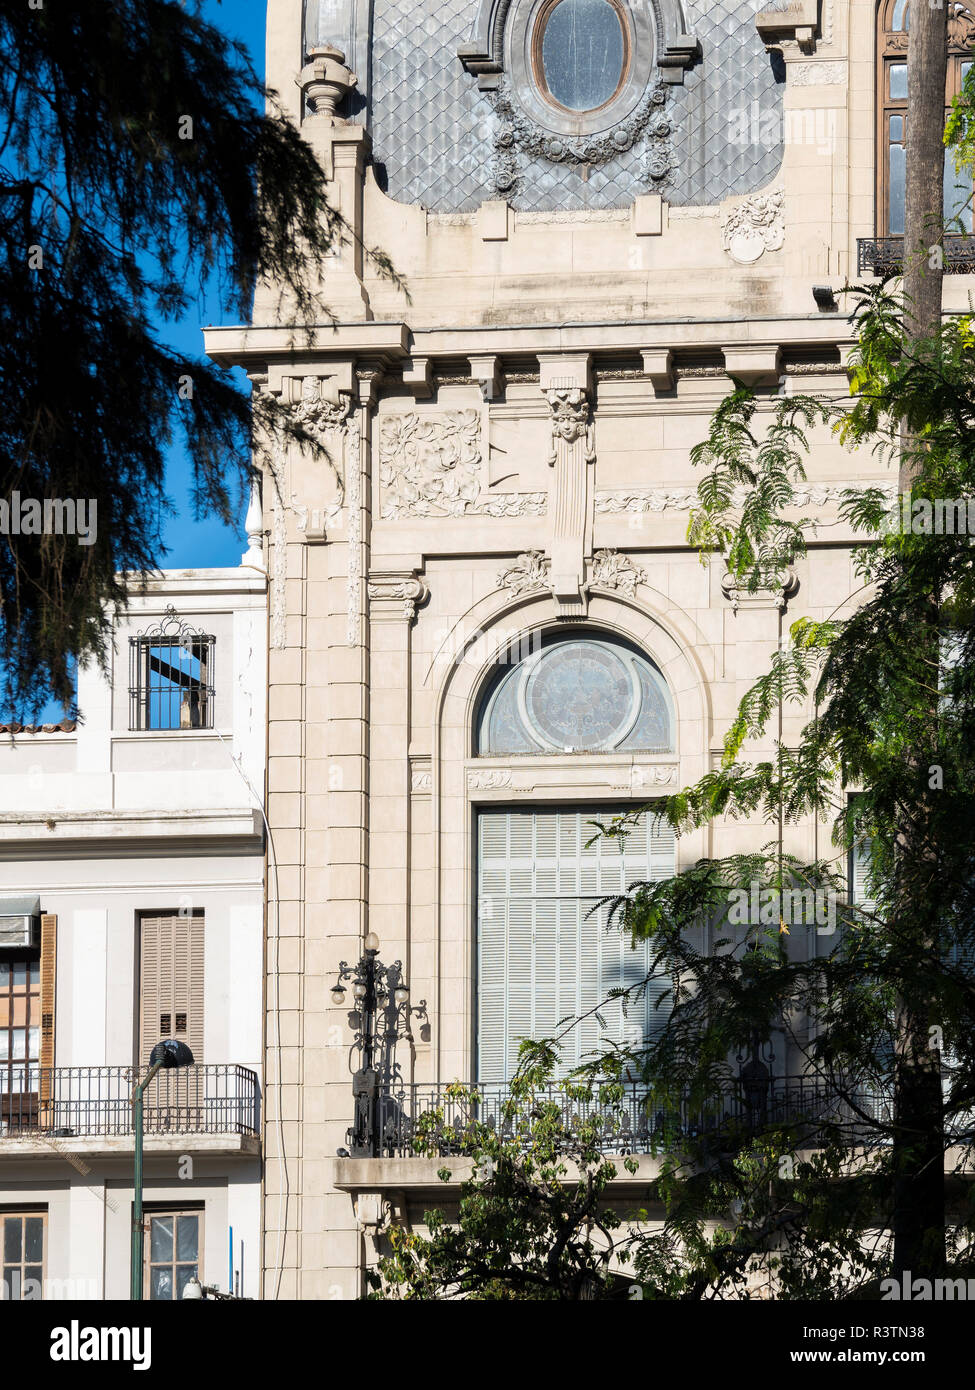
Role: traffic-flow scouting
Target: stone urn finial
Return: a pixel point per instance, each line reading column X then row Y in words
column 325, row 80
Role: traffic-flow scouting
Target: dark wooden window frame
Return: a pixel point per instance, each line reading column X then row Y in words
column 152, row 1212
column 23, row 1215
column 892, row 49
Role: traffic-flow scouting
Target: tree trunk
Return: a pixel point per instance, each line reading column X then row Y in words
column 927, row 69
column 918, row 1147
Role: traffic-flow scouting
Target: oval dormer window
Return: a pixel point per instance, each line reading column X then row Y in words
column 581, row 53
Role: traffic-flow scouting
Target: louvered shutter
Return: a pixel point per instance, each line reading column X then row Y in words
column 172, row 982
column 543, row 956
column 49, row 980
column 860, row 861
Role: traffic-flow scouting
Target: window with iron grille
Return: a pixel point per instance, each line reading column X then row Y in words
column 171, row 677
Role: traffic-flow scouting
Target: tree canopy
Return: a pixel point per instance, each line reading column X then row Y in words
column 138, row 162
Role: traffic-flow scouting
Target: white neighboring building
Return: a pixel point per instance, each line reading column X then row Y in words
column 131, row 909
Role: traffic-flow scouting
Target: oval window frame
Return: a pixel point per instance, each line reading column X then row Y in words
column 521, row 28
column 537, row 40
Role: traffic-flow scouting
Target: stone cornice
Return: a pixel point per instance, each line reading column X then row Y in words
column 388, row 344
column 297, row 344
column 58, row 834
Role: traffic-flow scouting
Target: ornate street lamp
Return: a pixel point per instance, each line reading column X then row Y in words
column 381, row 1015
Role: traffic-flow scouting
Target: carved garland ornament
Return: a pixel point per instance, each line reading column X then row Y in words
column 685, row 499
column 516, row 131
column 652, row 776
column 489, row 780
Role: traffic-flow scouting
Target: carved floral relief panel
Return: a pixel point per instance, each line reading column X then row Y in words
column 432, row 464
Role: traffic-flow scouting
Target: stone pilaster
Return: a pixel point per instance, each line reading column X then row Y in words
column 567, row 384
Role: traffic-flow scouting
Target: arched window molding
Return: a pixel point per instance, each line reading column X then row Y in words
column 893, row 23
column 675, row 48
column 458, row 783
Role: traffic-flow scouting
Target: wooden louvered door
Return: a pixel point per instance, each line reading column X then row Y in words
column 542, row 957
column 171, row 981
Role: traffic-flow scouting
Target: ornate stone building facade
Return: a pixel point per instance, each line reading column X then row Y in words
column 486, row 622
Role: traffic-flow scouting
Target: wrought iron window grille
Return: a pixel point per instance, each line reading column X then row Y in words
column 171, row 676
column 884, row 256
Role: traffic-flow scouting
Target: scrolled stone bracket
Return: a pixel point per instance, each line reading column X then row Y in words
column 797, row 21
column 775, row 594
column 396, row 594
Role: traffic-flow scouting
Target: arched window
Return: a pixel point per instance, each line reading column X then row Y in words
column 892, row 115
column 577, row 693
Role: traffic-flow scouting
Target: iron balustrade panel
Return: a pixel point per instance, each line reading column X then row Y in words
column 445, row 1119
column 885, row 255
column 86, row 1102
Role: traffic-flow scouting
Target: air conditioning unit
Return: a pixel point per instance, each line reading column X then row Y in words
column 20, row 922
column 19, row 931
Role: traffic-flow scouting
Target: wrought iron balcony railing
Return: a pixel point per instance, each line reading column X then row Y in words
column 445, row 1115
column 84, row 1102
column 885, row 255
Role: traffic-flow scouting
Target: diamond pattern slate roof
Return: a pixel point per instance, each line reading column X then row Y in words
column 433, row 130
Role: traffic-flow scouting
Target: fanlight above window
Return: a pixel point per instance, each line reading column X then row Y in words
column 577, row 694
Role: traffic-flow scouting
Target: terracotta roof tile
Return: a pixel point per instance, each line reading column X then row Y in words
column 67, row 726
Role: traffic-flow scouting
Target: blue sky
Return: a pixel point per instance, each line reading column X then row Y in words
column 189, row 541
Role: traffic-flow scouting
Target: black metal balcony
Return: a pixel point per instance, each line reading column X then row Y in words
column 885, row 255
column 446, row 1115
column 87, row 1102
